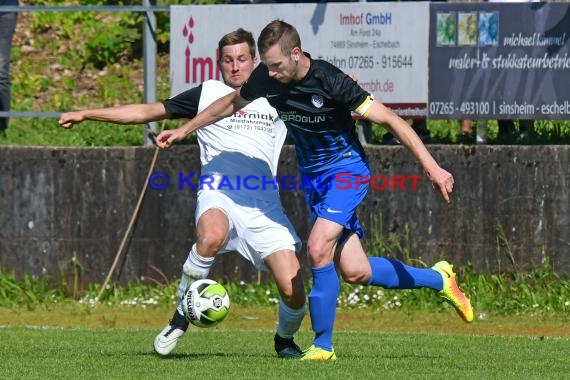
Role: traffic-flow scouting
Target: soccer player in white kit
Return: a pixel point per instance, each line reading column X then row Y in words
column 230, row 215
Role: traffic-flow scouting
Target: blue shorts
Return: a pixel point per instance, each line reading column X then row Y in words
column 335, row 195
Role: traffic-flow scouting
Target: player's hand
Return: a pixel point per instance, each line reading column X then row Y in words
column 165, row 139
column 66, row 120
column 442, row 181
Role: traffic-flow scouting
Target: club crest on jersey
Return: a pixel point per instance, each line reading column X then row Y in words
column 317, row 101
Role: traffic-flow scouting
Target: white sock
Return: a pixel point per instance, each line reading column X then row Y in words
column 289, row 320
column 195, row 267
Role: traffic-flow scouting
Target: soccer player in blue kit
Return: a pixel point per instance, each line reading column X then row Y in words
column 315, row 100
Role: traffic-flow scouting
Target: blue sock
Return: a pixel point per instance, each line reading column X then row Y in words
column 322, row 304
column 393, row 274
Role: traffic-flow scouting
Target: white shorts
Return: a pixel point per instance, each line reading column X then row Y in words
column 257, row 228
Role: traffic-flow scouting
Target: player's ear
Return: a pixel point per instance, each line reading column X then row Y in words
column 296, row 53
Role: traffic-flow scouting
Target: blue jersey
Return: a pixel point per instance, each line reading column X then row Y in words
column 317, row 112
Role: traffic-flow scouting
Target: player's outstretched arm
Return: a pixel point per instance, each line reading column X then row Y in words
column 441, row 179
column 221, row 108
column 129, row 114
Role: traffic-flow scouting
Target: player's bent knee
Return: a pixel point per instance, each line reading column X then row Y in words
column 356, row 278
column 319, row 254
column 209, row 244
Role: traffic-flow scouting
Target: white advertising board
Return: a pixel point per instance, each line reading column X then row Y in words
column 384, row 44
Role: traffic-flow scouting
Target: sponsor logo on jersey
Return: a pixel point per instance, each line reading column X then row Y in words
column 252, row 115
column 302, row 118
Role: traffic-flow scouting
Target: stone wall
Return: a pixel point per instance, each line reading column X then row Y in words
column 66, row 208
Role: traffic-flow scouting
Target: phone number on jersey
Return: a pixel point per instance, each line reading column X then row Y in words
column 259, row 128
column 466, row 108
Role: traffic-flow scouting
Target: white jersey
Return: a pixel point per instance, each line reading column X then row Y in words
column 241, row 152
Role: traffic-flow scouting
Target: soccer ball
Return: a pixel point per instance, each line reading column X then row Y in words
column 205, row 303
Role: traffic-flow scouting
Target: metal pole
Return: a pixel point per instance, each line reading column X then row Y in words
column 149, row 58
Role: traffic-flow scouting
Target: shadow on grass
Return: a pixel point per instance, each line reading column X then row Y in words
column 206, row 355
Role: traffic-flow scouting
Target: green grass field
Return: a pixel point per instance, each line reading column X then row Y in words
column 74, row 342
column 70, row 353
column 51, row 330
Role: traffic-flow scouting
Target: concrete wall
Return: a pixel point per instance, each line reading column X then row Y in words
column 58, row 205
